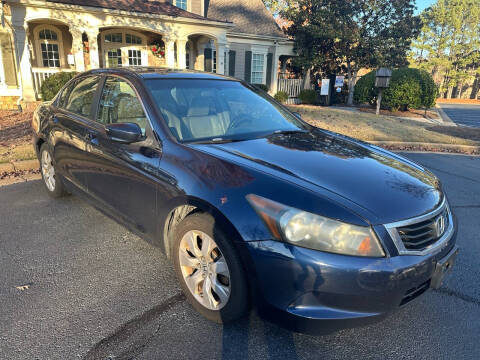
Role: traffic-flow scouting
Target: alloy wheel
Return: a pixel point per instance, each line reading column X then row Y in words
column 48, row 171
column 204, row 270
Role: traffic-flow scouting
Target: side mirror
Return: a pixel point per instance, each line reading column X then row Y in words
column 125, row 132
column 298, row 115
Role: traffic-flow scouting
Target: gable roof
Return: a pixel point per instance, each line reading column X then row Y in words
column 248, row 16
column 158, row 7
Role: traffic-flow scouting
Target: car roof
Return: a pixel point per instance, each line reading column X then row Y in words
column 162, row 73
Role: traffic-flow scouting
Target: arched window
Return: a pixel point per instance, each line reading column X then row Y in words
column 49, row 46
column 124, row 48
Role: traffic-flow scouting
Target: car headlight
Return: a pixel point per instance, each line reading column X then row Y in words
column 316, row 232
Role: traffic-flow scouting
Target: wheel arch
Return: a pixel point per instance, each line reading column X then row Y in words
column 184, row 206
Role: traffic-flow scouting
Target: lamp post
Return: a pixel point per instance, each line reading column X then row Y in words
column 382, row 81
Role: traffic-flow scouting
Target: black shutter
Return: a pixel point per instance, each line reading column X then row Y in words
column 231, row 63
column 269, row 70
column 248, row 66
column 208, row 63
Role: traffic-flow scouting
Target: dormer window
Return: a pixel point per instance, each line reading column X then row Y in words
column 182, row 4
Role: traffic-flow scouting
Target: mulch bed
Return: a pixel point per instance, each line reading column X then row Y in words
column 15, row 127
column 410, row 113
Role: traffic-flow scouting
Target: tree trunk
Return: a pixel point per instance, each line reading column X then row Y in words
column 352, row 80
column 306, row 79
column 475, row 87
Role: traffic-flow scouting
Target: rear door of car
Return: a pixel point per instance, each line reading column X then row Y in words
column 121, row 176
column 72, row 112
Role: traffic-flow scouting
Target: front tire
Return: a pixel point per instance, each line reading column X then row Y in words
column 52, row 182
column 209, row 270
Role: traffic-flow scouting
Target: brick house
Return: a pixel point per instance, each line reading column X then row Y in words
column 38, row 38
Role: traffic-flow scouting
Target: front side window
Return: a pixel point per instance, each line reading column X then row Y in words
column 258, row 64
column 213, row 110
column 119, row 104
column 182, row 4
column 81, row 97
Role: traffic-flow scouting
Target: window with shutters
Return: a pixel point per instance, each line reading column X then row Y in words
column 258, row 69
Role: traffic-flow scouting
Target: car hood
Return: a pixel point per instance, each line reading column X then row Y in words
column 388, row 186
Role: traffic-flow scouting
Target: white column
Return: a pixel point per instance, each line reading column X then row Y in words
column 275, row 60
column 3, row 84
column 169, row 52
column 77, row 50
column 181, row 53
column 221, row 58
column 92, row 35
column 23, row 61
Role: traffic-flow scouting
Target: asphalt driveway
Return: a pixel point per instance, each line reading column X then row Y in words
column 76, row 285
column 462, row 114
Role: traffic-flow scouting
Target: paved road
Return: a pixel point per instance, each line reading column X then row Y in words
column 97, row 292
column 467, row 115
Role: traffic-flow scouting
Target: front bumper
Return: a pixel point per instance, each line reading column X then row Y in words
column 317, row 292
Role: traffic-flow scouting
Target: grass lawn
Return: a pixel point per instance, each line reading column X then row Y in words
column 369, row 127
column 17, row 152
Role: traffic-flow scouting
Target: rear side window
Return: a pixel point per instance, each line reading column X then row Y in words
column 81, row 97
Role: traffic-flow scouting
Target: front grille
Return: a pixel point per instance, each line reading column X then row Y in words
column 420, row 235
column 415, row 292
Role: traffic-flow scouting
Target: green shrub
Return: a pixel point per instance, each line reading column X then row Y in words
column 281, row 96
column 261, row 87
column 409, row 89
column 308, row 97
column 52, row 85
column 365, row 90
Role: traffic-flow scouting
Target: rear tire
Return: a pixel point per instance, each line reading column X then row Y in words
column 53, row 184
column 209, row 269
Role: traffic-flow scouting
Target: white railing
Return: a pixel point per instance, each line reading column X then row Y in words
column 40, row 74
column 292, row 87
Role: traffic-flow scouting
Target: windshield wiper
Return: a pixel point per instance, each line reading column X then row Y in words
column 286, row 132
column 215, row 141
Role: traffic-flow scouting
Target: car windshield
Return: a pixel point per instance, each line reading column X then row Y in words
column 199, row 110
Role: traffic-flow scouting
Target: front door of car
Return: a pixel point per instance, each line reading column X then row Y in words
column 121, row 176
column 73, row 110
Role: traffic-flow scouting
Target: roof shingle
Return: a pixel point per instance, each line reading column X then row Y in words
column 248, row 16
column 159, row 7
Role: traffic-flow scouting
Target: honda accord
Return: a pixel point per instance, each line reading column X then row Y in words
column 254, row 206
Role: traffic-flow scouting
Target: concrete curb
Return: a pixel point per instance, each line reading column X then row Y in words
column 446, row 119
column 428, row 147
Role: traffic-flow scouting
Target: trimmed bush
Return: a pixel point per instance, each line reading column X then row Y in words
column 261, row 87
column 308, row 97
column 281, row 96
column 409, row 89
column 52, row 85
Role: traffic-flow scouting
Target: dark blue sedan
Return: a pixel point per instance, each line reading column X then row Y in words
column 253, row 205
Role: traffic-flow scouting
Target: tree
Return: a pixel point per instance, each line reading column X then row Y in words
column 276, row 6
column 345, row 36
column 449, row 44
